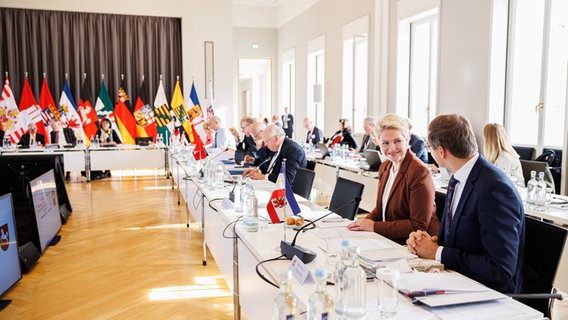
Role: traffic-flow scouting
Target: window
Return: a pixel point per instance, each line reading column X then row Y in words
column 355, row 66
column 289, row 80
column 536, row 72
column 316, row 88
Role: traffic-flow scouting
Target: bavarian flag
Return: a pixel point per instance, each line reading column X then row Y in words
column 282, row 201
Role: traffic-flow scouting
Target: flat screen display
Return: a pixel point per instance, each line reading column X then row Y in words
column 9, row 258
column 46, row 207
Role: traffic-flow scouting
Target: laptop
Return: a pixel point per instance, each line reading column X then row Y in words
column 324, row 151
column 373, row 159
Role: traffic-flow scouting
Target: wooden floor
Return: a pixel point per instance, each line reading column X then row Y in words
column 125, row 253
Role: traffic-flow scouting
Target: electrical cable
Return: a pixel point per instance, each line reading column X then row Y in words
column 233, row 224
column 281, row 257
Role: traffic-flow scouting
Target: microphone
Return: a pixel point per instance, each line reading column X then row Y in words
column 306, row 255
column 232, row 193
column 255, row 168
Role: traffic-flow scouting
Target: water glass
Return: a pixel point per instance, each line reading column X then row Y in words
column 333, row 254
column 388, row 292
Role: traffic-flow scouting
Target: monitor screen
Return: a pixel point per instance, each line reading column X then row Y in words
column 9, row 258
column 46, row 207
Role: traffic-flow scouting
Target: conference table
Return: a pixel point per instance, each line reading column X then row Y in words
column 237, row 251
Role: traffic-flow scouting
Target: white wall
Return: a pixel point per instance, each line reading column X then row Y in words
column 209, row 20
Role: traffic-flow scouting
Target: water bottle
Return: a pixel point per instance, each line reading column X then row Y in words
column 531, row 191
column 339, row 271
column 320, row 304
column 540, row 193
column 285, row 306
column 354, row 287
column 251, row 213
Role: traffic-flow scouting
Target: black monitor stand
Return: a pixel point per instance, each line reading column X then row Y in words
column 4, row 304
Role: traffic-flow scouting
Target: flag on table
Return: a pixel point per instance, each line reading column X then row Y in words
column 31, row 111
column 282, row 200
column 196, row 115
column 178, row 107
column 13, row 123
column 68, row 110
column 144, row 114
column 199, row 151
column 47, row 104
column 124, row 117
column 162, row 114
column 87, row 112
column 105, row 108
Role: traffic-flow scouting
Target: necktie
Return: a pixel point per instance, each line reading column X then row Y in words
column 448, row 205
column 56, row 137
column 215, row 141
column 309, row 137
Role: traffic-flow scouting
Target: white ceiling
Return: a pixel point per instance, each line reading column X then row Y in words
column 267, row 13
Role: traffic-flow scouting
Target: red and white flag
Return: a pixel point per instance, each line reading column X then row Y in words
column 12, row 121
column 31, row 111
column 282, row 200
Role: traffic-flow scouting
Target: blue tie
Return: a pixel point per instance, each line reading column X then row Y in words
column 448, row 205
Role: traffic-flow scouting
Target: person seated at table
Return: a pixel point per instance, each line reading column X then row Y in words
column 223, row 139
column 31, row 137
column 498, row 150
column 209, row 133
column 107, row 135
column 314, row 135
column 405, row 199
column 262, row 153
column 343, row 135
column 417, row 144
column 370, row 139
column 1, row 136
column 245, row 145
column 483, row 230
column 60, row 135
column 283, row 148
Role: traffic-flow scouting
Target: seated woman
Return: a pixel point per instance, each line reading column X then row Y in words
column 108, row 137
column 405, row 200
column 343, row 136
column 499, row 151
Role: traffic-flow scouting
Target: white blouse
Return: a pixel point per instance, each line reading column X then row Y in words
column 511, row 165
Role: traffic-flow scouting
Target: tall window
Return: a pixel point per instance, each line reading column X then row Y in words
column 289, row 80
column 417, row 65
column 355, row 66
column 316, row 88
column 536, row 72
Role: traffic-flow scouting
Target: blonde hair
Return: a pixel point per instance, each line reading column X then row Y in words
column 393, row 121
column 495, row 142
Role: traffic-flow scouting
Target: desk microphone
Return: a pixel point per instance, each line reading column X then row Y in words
column 232, row 193
column 213, row 158
column 306, row 255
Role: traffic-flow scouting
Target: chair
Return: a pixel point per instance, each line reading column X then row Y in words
column 537, row 166
column 440, row 201
column 344, row 191
column 303, row 182
column 525, row 153
column 544, row 244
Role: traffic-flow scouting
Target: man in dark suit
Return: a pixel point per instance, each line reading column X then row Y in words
column 417, row 144
column 283, row 148
column 31, row 137
column 370, row 139
column 288, row 123
column 60, row 135
column 2, row 136
column 482, row 230
column 314, row 135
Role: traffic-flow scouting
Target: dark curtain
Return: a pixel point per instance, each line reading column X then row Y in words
column 58, row 43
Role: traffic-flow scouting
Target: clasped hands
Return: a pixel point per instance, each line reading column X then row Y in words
column 422, row 244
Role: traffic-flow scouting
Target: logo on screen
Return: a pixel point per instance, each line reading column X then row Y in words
column 4, row 237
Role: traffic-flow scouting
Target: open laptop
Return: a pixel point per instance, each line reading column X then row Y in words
column 373, row 159
column 324, row 151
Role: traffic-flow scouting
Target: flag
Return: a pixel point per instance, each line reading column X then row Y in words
column 31, row 111
column 68, row 110
column 199, row 151
column 87, row 112
column 47, row 104
column 282, row 200
column 143, row 114
column 105, row 109
column 124, row 118
column 12, row 121
column 178, row 107
column 210, row 112
column 196, row 114
column 162, row 114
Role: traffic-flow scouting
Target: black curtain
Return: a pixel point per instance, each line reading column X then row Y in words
column 58, row 43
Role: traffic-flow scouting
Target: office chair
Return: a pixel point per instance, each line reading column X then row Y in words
column 344, row 191
column 303, row 182
column 537, row 166
column 525, row 153
column 544, row 244
column 440, row 201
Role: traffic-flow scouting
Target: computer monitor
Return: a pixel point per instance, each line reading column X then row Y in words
column 324, row 151
column 9, row 258
column 46, row 208
column 373, row 159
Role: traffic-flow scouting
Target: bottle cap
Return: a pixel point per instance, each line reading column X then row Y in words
column 321, row 274
column 346, row 243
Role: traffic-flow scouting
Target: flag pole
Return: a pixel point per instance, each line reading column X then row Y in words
column 285, row 198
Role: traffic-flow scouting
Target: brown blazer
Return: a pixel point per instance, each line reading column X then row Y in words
column 411, row 203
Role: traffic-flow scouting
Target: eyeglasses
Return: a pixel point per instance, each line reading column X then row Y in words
column 430, row 147
column 396, row 142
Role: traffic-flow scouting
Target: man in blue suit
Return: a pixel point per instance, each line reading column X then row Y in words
column 482, row 230
column 314, row 135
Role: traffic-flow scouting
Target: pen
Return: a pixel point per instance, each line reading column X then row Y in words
column 414, row 294
column 333, row 220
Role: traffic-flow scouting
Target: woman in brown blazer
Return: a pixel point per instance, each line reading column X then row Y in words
column 405, row 200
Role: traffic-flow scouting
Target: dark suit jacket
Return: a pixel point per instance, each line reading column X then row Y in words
column 1, row 136
column 347, row 138
column 316, row 136
column 25, row 140
column 295, row 157
column 418, row 146
column 248, row 146
column 290, row 123
column 261, row 155
column 411, row 204
column 487, row 233
column 115, row 137
column 70, row 137
column 371, row 145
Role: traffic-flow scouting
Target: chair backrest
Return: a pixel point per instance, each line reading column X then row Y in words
column 440, row 201
column 303, row 182
column 537, row 166
column 344, row 191
column 544, row 244
column 525, row 153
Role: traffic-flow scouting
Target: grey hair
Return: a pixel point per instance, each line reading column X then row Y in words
column 275, row 131
column 370, row 119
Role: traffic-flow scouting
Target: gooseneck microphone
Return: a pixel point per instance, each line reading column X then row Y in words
column 306, row 255
column 232, row 193
column 256, row 168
